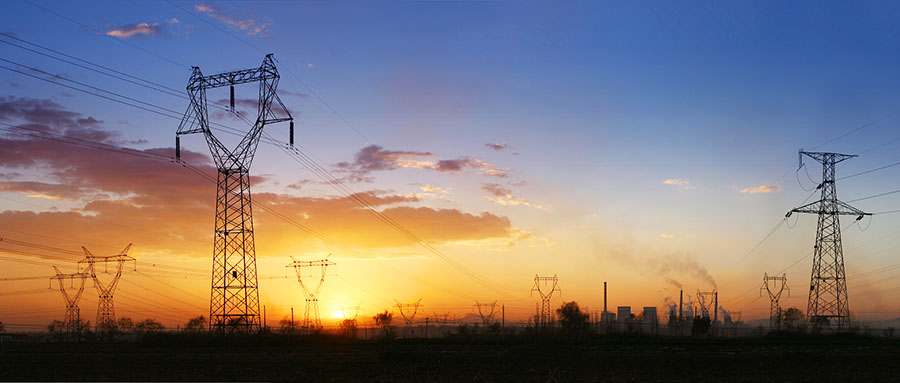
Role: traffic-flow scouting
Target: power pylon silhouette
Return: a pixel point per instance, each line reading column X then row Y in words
column 828, row 305
column 106, row 313
column 408, row 310
column 541, row 285
column 486, row 312
column 774, row 286
column 72, row 321
column 234, row 296
column 311, row 293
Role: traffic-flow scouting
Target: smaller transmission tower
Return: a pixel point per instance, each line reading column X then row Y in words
column 311, row 314
column 707, row 302
column 486, row 312
column 408, row 310
column 106, row 314
column 350, row 312
column 545, row 286
column 72, row 320
column 774, row 286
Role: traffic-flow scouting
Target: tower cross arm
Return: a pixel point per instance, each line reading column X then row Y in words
column 839, row 208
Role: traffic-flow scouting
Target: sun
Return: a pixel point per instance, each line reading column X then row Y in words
column 338, row 314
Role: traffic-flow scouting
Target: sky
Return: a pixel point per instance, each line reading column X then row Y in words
column 649, row 145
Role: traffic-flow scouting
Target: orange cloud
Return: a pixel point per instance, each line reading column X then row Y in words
column 762, row 189
column 375, row 158
column 683, row 183
column 165, row 208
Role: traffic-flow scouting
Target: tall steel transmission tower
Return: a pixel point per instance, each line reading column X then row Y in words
column 72, row 321
column 774, row 286
column 408, row 310
column 106, row 313
column 311, row 316
column 545, row 286
column 828, row 304
column 234, row 298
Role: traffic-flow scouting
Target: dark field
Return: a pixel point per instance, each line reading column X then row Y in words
column 601, row 359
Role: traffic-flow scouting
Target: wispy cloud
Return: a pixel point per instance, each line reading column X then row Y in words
column 504, row 197
column 680, row 182
column 249, row 25
column 375, row 158
column 762, row 189
column 667, row 236
column 497, row 147
column 136, row 30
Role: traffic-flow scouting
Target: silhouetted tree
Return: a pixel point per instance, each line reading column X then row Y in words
column 571, row 318
column 196, row 324
column 149, row 325
column 2, row 328
column 287, row 325
column 125, row 325
column 348, row 327
column 791, row 318
column 384, row 320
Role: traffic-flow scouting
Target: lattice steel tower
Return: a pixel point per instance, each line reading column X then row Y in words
column 234, row 298
column 828, row 304
column 72, row 321
column 540, row 285
column 408, row 310
column 106, row 313
column 311, row 314
column 486, row 312
column 774, row 286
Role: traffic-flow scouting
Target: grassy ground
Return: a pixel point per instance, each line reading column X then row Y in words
column 599, row 359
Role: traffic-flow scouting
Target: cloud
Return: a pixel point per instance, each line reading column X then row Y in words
column 667, row 236
column 250, row 26
column 131, row 30
column 163, row 207
column 683, row 183
column 497, row 147
column 375, row 158
column 504, row 197
column 429, row 188
column 173, row 21
column 762, row 189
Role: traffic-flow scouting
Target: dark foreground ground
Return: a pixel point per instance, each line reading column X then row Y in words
column 601, row 359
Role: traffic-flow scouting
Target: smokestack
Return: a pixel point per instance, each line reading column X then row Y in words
column 716, row 307
column 604, row 296
column 680, row 304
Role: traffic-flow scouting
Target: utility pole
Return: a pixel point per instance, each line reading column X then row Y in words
column 234, row 296
column 774, row 286
column 828, row 305
column 311, row 313
column 545, row 286
column 72, row 321
column 106, row 313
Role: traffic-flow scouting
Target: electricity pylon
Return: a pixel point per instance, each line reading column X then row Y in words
column 775, row 288
column 486, row 312
column 72, row 320
column 540, row 285
column 405, row 310
column 311, row 316
column 828, row 304
column 706, row 301
column 106, row 313
column 234, row 296
column 349, row 313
